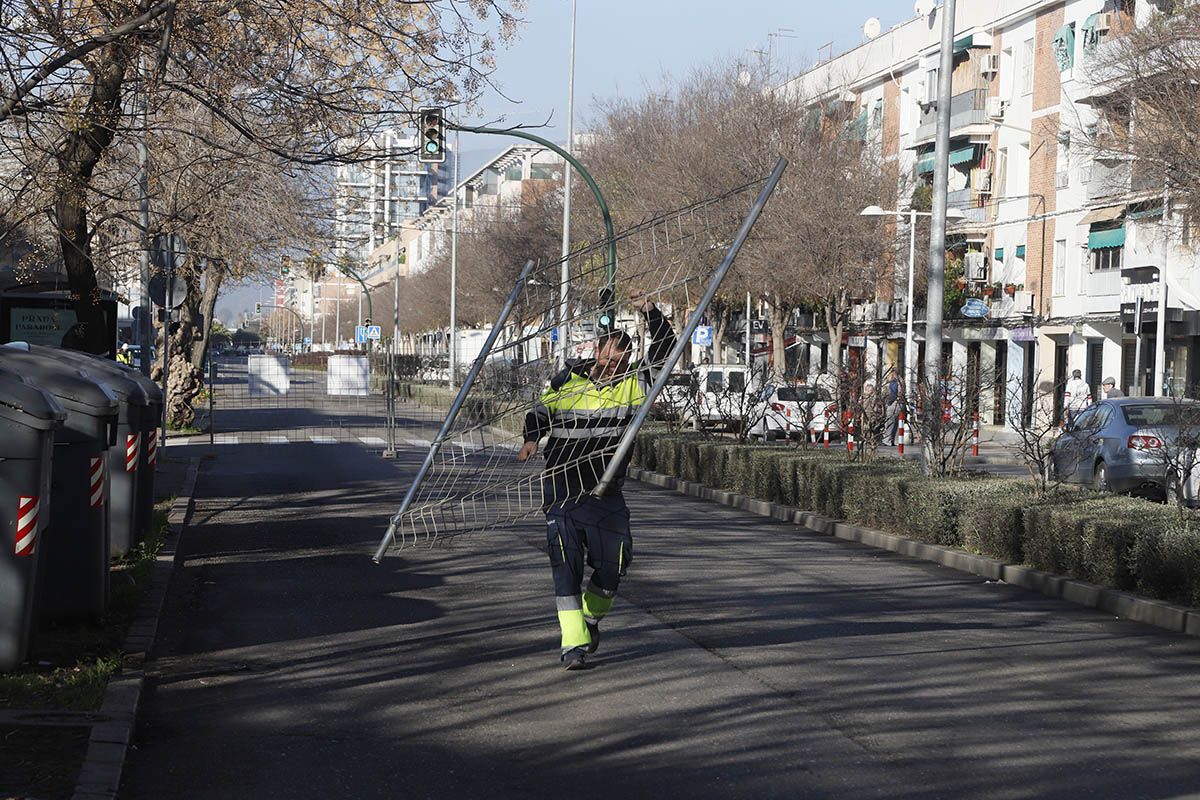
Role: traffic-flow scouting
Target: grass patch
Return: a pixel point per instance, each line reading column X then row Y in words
column 72, row 662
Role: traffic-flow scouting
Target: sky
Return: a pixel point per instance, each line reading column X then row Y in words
column 624, row 47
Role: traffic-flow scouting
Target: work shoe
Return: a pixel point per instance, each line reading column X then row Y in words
column 574, row 658
column 594, row 632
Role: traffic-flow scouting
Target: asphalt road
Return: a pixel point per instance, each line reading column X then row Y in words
column 745, row 658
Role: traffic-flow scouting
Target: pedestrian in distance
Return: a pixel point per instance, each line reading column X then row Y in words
column 584, row 412
column 1077, row 397
column 893, row 398
column 124, row 355
column 1110, row 389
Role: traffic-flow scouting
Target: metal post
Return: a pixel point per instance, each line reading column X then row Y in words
column 685, row 336
column 910, row 350
column 1139, row 382
column 1160, row 333
column 145, row 326
column 453, row 363
column 337, row 321
column 937, row 233
column 212, row 389
column 564, row 280
column 168, row 312
column 748, row 334
column 452, row 414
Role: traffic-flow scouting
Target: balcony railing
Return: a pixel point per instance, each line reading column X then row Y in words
column 966, row 108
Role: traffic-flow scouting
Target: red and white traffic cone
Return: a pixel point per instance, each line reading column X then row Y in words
column 850, row 437
column 825, row 436
column 900, row 435
column 975, row 434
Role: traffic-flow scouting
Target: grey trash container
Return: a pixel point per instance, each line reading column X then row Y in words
column 124, row 458
column 29, row 417
column 147, row 431
column 73, row 569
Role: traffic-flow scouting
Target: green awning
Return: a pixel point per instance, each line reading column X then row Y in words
column 964, row 44
column 1098, row 240
column 1064, row 46
column 925, row 163
column 1020, row 251
column 858, row 128
column 964, row 155
column 1145, row 212
column 1091, row 36
column 999, row 254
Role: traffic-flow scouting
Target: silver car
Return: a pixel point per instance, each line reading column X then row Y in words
column 1130, row 444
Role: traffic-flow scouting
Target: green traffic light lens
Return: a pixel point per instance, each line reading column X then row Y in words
column 606, row 320
column 431, row 147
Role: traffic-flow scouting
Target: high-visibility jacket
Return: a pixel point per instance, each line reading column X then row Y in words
column 586, row 419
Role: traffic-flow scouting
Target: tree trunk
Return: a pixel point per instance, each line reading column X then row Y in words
column 208, row 303
column 77, row 156
column 778, row 311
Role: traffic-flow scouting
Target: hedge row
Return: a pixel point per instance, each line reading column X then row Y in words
column 1122, row 542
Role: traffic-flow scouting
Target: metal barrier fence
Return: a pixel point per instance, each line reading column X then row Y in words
column 319, row 398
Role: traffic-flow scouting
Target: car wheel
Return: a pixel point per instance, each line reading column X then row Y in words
column 1100, row 478
column 772, row 435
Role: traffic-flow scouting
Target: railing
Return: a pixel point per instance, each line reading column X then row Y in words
column 966, row 108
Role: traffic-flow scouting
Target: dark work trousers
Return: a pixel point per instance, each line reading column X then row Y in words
column 591, row 531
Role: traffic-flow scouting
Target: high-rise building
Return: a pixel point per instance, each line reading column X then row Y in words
column 375, row 196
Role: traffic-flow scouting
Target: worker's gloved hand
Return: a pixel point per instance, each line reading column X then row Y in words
column 528, row 451
column 639, row 300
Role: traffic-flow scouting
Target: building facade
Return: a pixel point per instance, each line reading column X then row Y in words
column 1069, row 255
column 375, row 197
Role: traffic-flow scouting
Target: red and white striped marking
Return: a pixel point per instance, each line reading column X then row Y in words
column 133, row 443
column 900, row 434
column 27, row 525
column 850, row 437
column 825, row 436
column 151, row 446
column 96, row 482
column 975, row 434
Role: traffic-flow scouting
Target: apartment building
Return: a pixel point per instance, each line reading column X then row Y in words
column 376, row 196
column 1059, row 242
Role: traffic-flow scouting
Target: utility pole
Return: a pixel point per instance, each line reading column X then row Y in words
column 145, row 327
column 563, row 323
column 937, row 233
column 454, row 272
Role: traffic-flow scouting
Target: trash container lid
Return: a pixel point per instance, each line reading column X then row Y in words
column 123, row 385
column 21, row 401
column 74, row 388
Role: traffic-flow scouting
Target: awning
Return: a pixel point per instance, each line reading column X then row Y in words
column 1091, row 36
column 1020, row 253
column 964, row 155
column 1107, row 214
column 963, row 44
column 1064, row 46
column 925, row 163
column 858, row 128
column 999, row 254
column 1099, row 240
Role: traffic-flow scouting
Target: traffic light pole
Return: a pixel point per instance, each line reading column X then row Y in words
column 609, row 292
column 353, row 274
column 293, row 312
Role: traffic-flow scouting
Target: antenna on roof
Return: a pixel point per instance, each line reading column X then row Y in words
column 872, row 27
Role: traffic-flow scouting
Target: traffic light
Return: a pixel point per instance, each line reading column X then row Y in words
column 258, row 308
column 285, row 266
column 367, row 322
column 432, row 135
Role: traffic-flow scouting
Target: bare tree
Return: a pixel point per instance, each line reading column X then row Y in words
column 1035, row 428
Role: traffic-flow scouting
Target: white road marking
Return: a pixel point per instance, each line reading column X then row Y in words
column 225, row 438
column 275, row 439
column 322, row 440
column 372, row 441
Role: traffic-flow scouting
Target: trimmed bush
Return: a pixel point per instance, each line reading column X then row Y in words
column 1166, row 562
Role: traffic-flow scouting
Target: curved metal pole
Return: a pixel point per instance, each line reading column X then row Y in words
column 294, row 313
column 611, row 266
column 352, row 274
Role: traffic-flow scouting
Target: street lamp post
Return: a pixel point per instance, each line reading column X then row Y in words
column 910, row 354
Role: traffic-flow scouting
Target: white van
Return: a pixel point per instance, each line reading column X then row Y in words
column 726, row 395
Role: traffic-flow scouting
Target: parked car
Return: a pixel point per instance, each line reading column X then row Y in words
column 676, row 396
column 1125, row 444
column 791, row 410
column 725, row 395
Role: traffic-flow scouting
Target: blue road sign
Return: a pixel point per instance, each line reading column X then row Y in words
column 360, row 334
column 703, row 336
column 554, row 334
column 307, row 341
column 375, row 332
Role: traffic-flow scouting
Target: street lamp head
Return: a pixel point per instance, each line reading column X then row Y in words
column 873, row 211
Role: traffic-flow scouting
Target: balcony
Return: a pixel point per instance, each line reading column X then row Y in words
column 967, row 110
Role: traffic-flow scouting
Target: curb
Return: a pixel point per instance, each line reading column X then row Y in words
column 1178, row 619
column 100, row 775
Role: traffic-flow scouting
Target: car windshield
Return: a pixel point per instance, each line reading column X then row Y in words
column 803, row 394
column 679, row 379
column 1168, row 414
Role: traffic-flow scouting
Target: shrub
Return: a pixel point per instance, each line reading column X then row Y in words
column 1166, row 562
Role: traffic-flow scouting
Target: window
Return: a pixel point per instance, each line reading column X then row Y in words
column 1106, row 258
column 541, row 172
column 1000, row 176
column 737, row 382
column 1027, row 68
column 513, row 173
column 931, row 86
column 713, row 382
column 1060, row 266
